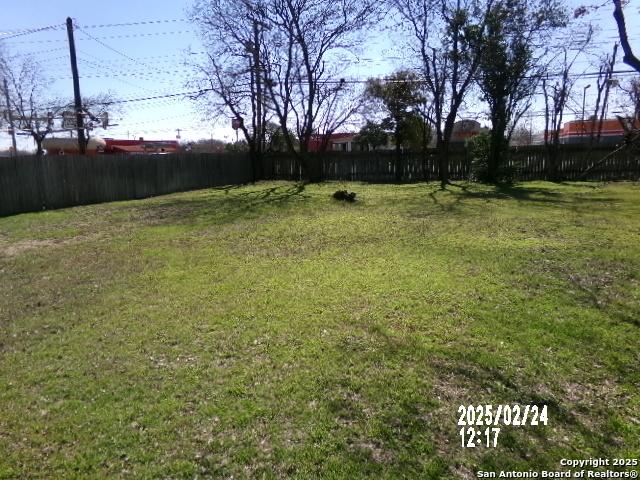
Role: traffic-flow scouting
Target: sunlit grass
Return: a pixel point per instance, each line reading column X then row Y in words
column 269, row 331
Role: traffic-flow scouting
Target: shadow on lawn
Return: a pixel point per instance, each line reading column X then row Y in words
column 274, row 194
column 455, row 196
column 525, row 193
column 459, row 377
column 514, row 192
column 212, row 208
column 618, row 312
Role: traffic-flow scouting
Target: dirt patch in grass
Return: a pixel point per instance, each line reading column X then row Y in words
column 17, row 248
column 374, row 450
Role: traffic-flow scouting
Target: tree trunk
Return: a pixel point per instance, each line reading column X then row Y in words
column 254, row 158
column 258, row 172
column 442, row 147
column 552, row 160
column 39, row 150
column 311, row 165
column 399, row 164
column 315, row 168
column 497, row 150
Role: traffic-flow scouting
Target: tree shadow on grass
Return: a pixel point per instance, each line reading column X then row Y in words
column 599, row 300
column 459, row 377
column 227, row 188
column 574, row 200
column 511, row 192
column 274, row 194
column 455, row 196
column 210, row 207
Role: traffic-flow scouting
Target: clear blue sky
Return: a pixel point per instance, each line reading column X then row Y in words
column 159, row 51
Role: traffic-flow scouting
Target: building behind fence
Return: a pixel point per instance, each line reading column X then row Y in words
column 29, row 184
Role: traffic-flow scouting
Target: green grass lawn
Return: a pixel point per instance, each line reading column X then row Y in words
column 269, row 331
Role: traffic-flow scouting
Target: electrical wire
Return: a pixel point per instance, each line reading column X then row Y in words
column 108, row 37
column 145, row 22
column 29, row 31
column 113, row 49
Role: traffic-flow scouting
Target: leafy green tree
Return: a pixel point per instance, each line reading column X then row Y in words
column 275, row 139
column 511, row 67
column 372, row 135
column 400, row 98
column 417, row 133
column 240, row 146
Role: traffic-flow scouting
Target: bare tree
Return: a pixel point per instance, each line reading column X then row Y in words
column 97, row 110
column 603, row 86
column 340, row 107
column 277, row 58
column 618, row 15
column 521, row 136
column 632, row 133
column 556, row 96
column 33, row 112
column 232, row 82
column 306, row 39
column 632, row 101
column 447, row 38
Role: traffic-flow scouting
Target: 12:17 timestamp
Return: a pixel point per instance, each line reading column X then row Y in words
column 472, row 438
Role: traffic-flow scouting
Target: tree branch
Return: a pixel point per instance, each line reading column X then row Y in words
column 629, row 58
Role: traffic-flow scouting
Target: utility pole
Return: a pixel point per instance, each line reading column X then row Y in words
column 82, row 144
column 10, row 118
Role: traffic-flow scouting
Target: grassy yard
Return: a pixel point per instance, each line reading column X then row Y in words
column 269, row 331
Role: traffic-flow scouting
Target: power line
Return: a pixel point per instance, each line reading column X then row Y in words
column 170, row 95
column 111, row 37
column 98, row 68
column 130, row 124
column 144, row 22
column 205, row 90
column 40, row 52
column 29, row 31
column 112, row 49
column 121, row 65
column 149, row 34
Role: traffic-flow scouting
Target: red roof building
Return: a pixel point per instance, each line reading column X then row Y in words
column 141, row 146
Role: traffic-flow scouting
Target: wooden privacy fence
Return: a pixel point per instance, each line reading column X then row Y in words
column 374, row 167
column 527, row 163
column 531, row 163
column 29, row 184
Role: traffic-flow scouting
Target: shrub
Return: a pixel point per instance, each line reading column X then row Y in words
column 479, row 148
